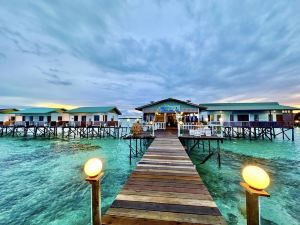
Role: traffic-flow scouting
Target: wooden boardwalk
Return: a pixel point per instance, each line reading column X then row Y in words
column 165, row 189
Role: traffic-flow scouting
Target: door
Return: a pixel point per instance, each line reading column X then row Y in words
column 59, row 120
column 171, row 120
column 83, row 121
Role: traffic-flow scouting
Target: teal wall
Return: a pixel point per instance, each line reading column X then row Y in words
column 169, row 107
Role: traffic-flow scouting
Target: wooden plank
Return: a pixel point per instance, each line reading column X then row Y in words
column 165, row 180
column 184, row 178
column 165, row 157
column 120, row 220
column 167, row 216
column 170, row 171
column 167, row 200
column 163, row 207
column 154, row 161
column 165, row 184
column 172, row 166
column 165, row 189
column 204, row 196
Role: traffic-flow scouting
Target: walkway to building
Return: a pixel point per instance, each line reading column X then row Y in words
column 164, row 189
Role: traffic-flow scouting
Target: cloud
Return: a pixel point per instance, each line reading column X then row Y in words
column 128, row 53
column 53, row 78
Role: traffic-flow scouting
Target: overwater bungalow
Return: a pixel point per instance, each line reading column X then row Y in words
column 41, row 116
column 166, row 113
column 101, row 115
column 247, row 112
column 7, row 116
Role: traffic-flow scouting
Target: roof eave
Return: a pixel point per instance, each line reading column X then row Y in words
column 118, row 111
column 169, row 99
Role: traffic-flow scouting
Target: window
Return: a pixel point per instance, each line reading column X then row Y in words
column 23, row 118
column 218, row 117
column 30, row 118
column 75, row 118
column 83, row 118
column 256, row 117
column 96, row 118
column 243, row 117
column 231, row 117
column 41, row 118
column 279, row 118
column 59, row 118
column 105, row 118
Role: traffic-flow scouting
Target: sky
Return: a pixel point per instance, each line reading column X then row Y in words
column 128, row 53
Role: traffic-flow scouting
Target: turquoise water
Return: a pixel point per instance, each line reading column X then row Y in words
column 42, row 180
column 281, row 159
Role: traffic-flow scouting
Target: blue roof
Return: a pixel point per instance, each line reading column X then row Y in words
column 246, row 106
column 40, row 110
column 8, row 111
column 99, row 109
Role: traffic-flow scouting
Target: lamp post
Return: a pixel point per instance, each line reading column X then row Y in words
column 221, row 121
column 180, row 123
column 92, row 169
column 256, row 180
column 152, row 127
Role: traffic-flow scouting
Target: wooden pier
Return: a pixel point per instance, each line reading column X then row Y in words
column 63, row 131
column 259, row 130
column 191, row 142
column 164, row 189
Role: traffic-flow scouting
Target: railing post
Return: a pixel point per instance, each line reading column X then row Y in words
column 153, row 130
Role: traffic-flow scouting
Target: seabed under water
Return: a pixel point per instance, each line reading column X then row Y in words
column 42, row 181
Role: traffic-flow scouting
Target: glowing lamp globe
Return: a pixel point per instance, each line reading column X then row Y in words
column 256, row 177
column 93, row 167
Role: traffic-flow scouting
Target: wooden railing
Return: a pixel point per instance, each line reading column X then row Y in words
column 260, row 124
column 149, row 128
column 62, row 123
column 214, row 123
column 200, row 130
column 159, row 125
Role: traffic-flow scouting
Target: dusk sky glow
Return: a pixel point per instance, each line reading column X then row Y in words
column 127, row 53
